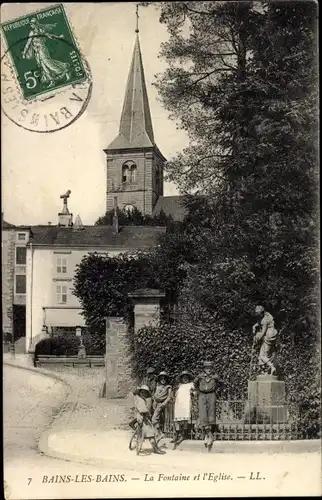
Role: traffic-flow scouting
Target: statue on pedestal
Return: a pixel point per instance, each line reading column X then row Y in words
column 265, row 334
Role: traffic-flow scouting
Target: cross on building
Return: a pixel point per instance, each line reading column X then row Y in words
column 65, row 198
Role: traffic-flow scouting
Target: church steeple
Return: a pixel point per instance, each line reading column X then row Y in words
column 136, row 129
column 134, row 162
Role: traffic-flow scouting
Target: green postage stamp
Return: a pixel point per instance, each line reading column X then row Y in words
column 43, row 52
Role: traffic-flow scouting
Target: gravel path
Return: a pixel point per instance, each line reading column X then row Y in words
column 30, row 404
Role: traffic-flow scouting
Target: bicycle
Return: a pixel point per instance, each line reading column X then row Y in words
column 137, row 437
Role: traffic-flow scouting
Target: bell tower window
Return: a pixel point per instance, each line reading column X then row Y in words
column 129, row 171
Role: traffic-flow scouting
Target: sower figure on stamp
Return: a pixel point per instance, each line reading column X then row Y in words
column 266, row 335
column 161, row 398
column 206, row 384
column 182, row 407
column 51, row 70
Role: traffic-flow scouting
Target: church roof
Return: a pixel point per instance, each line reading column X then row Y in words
column 128, row 237
column 170, row 205
column 136, row 129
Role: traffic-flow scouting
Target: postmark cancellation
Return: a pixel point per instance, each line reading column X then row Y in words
column 46, row 81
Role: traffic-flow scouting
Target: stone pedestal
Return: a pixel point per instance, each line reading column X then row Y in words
column 146, row 307
column 117, row 367
column 266, row 399
column 81, row 352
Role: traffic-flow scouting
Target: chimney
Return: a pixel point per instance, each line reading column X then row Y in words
column 65, row 219
column 115, row 217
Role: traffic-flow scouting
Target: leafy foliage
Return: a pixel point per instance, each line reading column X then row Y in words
column 134, row 218
column 242, row 82
column 102, row 283
column 67, row 345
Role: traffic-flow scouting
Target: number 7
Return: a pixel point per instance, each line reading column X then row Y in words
column 29, row 480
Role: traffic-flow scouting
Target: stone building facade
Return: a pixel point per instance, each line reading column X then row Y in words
column 8, row 258
column 53, row 254
column 14, row 287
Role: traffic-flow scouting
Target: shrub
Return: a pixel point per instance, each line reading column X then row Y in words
column 67, row 345
column 94, row 344
column 184, row 346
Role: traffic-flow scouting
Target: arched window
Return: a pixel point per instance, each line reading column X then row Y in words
column 129, row 171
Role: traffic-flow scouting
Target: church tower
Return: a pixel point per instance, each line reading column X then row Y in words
column 134, row 162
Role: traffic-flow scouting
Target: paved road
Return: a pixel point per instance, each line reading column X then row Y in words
column 30, row 402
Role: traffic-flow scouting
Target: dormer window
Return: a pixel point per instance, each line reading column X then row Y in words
column 129, row 171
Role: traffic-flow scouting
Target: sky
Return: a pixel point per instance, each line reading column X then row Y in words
column 38, row 168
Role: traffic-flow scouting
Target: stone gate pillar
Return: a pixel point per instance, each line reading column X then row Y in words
column 146, row 307
column 117, row 366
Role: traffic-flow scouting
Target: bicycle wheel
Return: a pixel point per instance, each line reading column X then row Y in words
column 139, row 441
column 133, row 440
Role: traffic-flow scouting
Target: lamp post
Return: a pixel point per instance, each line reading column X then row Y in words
column 81, row 348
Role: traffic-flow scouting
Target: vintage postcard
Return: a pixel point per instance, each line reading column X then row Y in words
column 160, row 234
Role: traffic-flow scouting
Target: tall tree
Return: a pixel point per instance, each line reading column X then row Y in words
column 208, row 55
column 251, row 115
column 242, row 81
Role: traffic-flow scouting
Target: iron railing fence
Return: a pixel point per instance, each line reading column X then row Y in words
column 236, row 420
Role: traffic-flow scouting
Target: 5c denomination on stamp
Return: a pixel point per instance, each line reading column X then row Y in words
column 46, row 82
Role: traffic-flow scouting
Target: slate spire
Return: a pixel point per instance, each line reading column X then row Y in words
column 136, row 124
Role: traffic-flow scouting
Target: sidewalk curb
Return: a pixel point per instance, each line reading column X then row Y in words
column 67, row 399
column 107, row 462
column 224, row 448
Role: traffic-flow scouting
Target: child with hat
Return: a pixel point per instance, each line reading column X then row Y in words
column 161, row 397
column 150, row 382
column 182, row 407
column 206, row 384
column 143, row 415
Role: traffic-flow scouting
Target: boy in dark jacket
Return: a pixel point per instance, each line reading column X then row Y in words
column 161, row 397
column 206, row 384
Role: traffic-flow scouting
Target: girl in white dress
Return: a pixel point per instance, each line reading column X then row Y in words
column 182, row 407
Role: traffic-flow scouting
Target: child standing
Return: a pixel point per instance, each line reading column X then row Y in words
column 206, row 384
column 143, row 415
column 182, row 407
column 161, row 397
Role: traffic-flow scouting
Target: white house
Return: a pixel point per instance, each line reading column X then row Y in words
column 52, row 255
